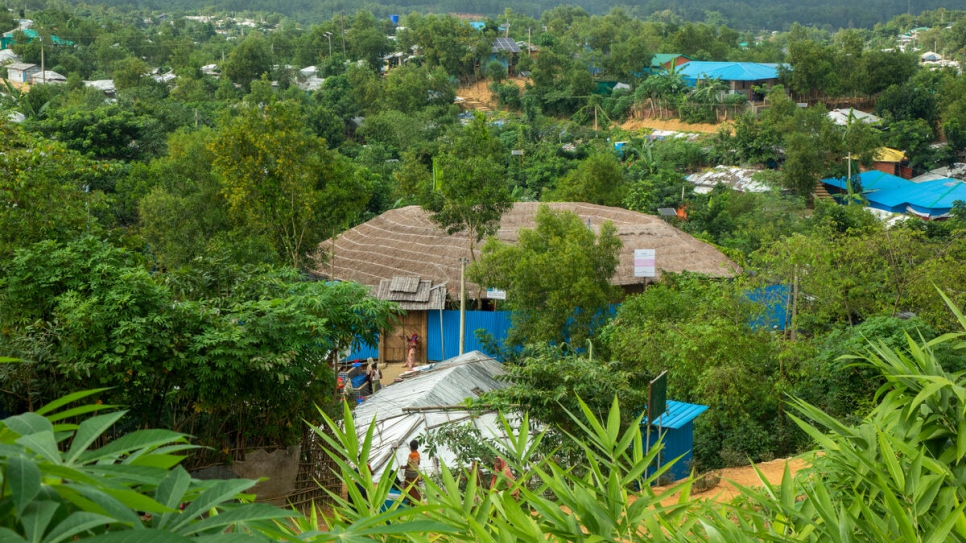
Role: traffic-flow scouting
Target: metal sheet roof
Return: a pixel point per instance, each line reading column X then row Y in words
column 678, row 414
column 403, row 411
column 505, row 44
column 727, row 71
column 930, row 199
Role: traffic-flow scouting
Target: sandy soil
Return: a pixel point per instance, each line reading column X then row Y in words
column 745, row 476
column 672, row 124
column 479, row 91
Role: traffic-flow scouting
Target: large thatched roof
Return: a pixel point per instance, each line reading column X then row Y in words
column 404, row 242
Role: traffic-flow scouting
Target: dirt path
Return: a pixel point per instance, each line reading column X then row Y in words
column 744, row 476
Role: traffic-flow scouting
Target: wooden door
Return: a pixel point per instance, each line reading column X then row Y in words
column 394, row 344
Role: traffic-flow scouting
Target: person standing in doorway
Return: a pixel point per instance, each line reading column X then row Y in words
column 413, row 342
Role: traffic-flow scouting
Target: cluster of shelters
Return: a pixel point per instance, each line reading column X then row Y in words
column 24, row 72
column 435, row 396
column 405, row 243
column 935, row 61
column 929, row 199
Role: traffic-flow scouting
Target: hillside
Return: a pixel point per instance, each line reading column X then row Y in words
column 739, row 14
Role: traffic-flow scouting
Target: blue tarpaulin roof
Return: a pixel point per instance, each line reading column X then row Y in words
column 931, row 199
column 678, row 414
column 727, row 71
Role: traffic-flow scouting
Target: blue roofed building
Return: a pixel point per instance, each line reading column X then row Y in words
column 741, row 77
column 928, row 200
column 676, row 426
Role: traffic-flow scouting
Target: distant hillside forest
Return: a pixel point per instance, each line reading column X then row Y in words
column 741, row 15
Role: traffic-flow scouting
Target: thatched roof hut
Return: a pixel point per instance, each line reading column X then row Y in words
column 404, row 242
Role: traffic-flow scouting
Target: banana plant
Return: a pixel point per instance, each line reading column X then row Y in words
column 56, row 486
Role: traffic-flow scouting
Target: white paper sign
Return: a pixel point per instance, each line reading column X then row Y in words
column 644, row 263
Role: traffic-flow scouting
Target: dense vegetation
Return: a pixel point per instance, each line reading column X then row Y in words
column 740, row 14
column 165, row 242
column 896, row 475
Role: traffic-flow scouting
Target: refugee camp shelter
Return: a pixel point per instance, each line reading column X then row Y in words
column 741, row 77
column 405, row 242
column 888, row 160
column 431, row 398
column 844, row 116
column 21, row 72
column 676, row 426
column 928, row 200
column 733, row 177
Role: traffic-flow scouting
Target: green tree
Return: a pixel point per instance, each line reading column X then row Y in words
column 468, row 191
column 48, row 192
column 128, row 72
column 557, row 277
column 282, row 180
column 597, row 180
column 248, row 61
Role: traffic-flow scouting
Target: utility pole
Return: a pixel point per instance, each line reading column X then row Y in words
column 329, row 36
column 43, row 69
column 463, row 262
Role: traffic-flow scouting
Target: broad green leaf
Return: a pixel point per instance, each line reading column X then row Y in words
column 9, row 536
column 242, row 515
column 938, row 534
column 146, row 536
column 137, row 501
column 35, row 519
column 171, row 489
column 23, row 479
column 140, row 439
column 73, row 397
column 161, row 461
column 28, row 423
column 217, row 494
column 43, row 444
column 88, row 431
column 75, row 525
column 97, row 501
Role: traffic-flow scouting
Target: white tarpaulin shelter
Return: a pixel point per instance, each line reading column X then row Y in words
column 739, row 179
column 843, row 117
column 431, row 398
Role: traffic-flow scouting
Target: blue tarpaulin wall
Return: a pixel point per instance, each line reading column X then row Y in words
column 497, row 323
column 775, row 300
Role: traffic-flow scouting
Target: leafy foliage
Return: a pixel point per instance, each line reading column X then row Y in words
column 283, row 180
column 129, row 487
column 553, row 307
column 86, row 312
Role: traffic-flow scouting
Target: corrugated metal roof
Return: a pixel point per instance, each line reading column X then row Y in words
column 505, row 44
column 727, row 71
column 678, row 414
column 447, row 383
